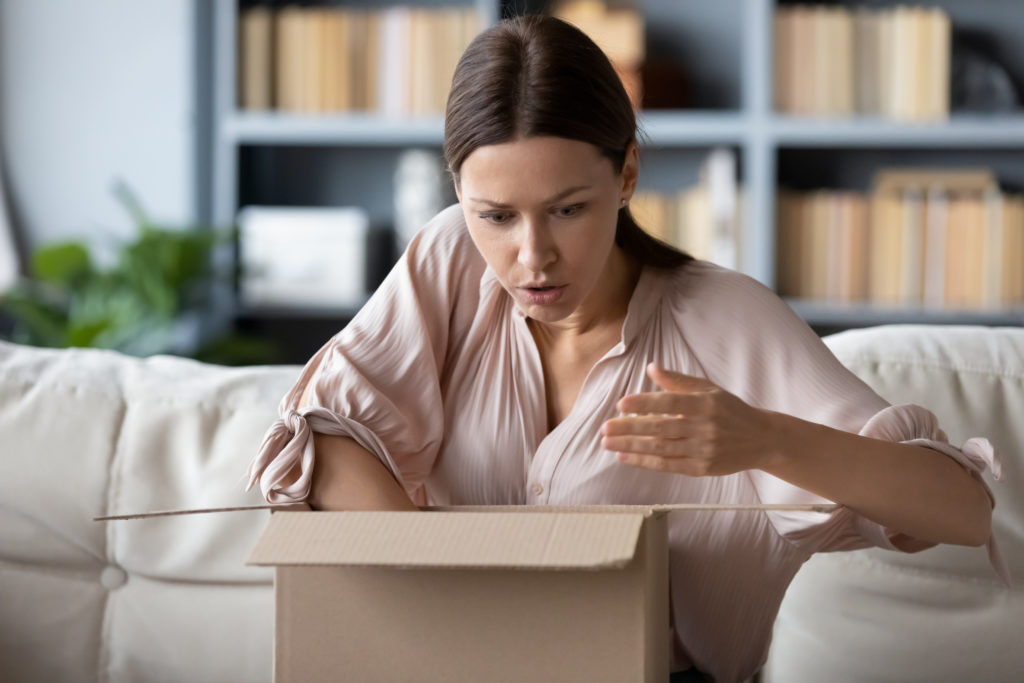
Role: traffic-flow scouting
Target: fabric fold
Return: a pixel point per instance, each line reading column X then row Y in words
column 917, row 426
column 289, row 441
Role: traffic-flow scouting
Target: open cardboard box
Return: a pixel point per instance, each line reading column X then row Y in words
column 489, row 593
column 470, row 594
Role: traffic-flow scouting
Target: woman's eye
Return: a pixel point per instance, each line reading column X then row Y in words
column 569, row 211
column 496, row 218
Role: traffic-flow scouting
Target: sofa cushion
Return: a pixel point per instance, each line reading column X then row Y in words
column 86, row 433
column 942, row 614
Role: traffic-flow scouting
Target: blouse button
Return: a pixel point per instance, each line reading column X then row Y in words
column 537, row 489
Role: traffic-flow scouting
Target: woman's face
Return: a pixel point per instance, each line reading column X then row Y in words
column 542, row 211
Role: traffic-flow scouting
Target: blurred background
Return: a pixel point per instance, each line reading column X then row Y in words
column 231, row 180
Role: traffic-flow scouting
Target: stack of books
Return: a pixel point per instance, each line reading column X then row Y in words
column 397, row 61
column 921, row 239
column 705, row 220
column 833, row 61
column 619, row 32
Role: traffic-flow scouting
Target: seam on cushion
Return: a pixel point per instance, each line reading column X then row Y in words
column 59, row 533
column 933, row 573
column 70, row 388
column 954, row 367
column 113, row 493
column 48, row 569
column 78, row 388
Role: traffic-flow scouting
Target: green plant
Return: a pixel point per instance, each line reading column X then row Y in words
column 135, row 306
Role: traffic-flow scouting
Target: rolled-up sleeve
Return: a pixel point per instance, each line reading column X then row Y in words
column 785, row 367
column 378, row 381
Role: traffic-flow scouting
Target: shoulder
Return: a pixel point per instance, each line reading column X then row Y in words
column 734, row 323
column 442, row 261
column 444, row 238
column 714, row 295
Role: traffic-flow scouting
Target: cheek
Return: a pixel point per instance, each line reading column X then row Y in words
column 493, row 247
column 590, row 245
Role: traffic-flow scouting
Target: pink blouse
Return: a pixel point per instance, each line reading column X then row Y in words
column 439, row 377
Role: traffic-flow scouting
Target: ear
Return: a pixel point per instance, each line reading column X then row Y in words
column 630, row 170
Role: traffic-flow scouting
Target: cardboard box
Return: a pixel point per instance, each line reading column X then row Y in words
column 478, row 594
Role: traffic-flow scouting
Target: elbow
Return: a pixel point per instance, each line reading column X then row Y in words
column 976, row 527
column 977, row 536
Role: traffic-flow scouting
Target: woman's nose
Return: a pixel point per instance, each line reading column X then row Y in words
column 536, row 248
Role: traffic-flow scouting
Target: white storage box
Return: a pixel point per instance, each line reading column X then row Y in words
column 303, row 256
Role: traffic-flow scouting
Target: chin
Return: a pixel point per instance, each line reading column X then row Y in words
column 547, row 314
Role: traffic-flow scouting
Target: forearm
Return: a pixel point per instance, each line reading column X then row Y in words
column 346, row 476
column 918, row 491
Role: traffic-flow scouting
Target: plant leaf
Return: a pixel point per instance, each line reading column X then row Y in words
column 65, row 263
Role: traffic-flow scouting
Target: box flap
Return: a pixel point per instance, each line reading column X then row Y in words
column 513, row 540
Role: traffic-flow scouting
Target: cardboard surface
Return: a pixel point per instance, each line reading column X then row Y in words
column 525, row 540
column 503, row 595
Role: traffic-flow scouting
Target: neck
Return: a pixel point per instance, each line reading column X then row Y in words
column 604, row 309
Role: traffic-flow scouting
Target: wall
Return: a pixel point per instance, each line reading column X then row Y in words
column 90, row 93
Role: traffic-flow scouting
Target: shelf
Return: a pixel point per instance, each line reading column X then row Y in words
column 819, row 313
column 363, row 130
column 960, row 131
column 697, row 128
column 663, row 128
column 293, row 158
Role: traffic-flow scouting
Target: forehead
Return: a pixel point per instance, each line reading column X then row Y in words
column 536, row 163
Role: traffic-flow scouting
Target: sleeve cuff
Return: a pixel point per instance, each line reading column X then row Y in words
column 917, row 426
column 289, row 441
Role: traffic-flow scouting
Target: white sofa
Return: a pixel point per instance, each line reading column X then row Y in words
column 86, row 433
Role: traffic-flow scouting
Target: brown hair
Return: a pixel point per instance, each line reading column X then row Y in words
column 536, row 75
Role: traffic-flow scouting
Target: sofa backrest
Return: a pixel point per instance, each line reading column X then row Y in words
column 938, row 615
column 85, row 433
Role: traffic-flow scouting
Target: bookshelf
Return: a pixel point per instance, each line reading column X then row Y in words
column 727, row 49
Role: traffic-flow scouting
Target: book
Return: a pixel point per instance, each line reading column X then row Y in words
column 866, row 58
column 993, row 247
column 651, row 212
column 934, row 285
column 286, row 41
column 256, row 58
column 335, row 73
column 886, row 64
column 956, row 246
column 395, row 61
column 843, row 81
column 911, row 271
column 888, row 180
column 360, row 67
column 618, row 31
column 782, row 55
column 695, row 233
column 787, row 243
column 886, row 243
column 802, row 21
column 940, row 28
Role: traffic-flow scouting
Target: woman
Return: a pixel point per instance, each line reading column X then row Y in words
column 534, row 346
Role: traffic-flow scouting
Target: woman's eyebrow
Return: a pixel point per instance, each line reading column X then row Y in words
column 553, row 198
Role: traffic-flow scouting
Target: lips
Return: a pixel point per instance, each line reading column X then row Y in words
column 542, row 294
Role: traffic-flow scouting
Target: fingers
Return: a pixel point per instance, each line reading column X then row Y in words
column 668, row 426
column 692, row 467
column 665, row 403
column 650, row 445
column 676, row 381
